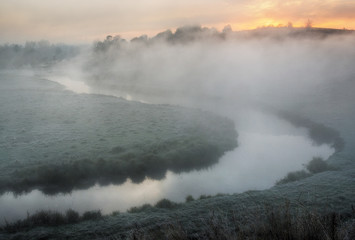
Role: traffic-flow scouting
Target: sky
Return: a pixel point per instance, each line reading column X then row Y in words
column 83, row 21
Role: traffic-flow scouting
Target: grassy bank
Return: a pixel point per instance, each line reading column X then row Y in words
column 57, row 141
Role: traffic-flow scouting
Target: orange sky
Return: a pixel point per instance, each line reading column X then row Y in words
column 76, row 21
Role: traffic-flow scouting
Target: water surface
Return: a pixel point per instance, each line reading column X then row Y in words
column 268, row 148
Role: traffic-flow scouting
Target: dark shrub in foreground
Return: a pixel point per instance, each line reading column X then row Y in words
column 317, row 165
column 165, row 203
column 189, row 198
column 140, row 209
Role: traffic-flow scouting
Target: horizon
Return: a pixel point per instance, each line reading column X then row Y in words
column 86, row 22
column 153, row 35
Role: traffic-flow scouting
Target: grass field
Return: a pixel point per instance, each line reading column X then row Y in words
column 56, row 141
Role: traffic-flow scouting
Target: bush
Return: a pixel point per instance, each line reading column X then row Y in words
column 317, row 165
column 165, row 203
column 189, row 199
column 139, row 209
column 294, row 176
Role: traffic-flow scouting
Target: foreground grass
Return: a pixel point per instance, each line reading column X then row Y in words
column 271, row 223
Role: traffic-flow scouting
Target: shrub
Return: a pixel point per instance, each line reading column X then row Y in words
column 294, row 176
column 165, row 203
column 189, row 199
column 317, row 165
column 139, row 209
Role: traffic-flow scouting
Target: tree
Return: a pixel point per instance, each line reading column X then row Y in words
column 227, row 29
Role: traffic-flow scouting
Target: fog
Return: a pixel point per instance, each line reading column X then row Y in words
column 203, row 68
column 268, row 81
column 35, row 54
column 307, row 72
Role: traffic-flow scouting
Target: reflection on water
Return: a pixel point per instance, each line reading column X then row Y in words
column 268, row 149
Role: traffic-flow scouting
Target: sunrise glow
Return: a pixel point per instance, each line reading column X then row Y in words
column 82, row 21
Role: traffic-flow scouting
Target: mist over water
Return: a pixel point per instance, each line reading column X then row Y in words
column 269, row 148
